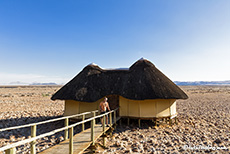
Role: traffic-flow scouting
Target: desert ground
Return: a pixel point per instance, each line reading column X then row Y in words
column 28, row 104
column 203, row 122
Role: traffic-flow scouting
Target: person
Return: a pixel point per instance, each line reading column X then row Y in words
column 104, row 107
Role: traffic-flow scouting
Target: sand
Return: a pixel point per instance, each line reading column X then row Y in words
column 203, row 122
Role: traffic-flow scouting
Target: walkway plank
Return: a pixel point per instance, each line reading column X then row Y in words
column 81, row 141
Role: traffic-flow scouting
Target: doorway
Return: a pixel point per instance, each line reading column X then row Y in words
column 113, row 101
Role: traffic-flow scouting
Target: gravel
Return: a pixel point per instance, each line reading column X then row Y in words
column 203, row 123
column 203, row 127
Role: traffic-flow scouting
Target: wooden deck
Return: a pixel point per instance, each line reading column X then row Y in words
column 81, row 141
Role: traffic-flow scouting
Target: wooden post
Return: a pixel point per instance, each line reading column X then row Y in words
column 71, row 140
column 10, row 151
column 170, row 121
column 32, row 144
column 103, row 128
column 111, row 124
column 94, row 114
column 176, row 120
column 92, row 131
column 66, row 131
column 115, row 119
column 83, row 124
column 139, row 123
column 110, row 119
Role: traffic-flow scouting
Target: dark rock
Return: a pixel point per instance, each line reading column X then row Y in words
column 168, row 144
column 125, row 139
column 133, row 129
column 128, row 151
column 218, row 141
column 135, row 149
column 141, row 136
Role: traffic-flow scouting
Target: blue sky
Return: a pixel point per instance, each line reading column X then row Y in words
column 52, row 40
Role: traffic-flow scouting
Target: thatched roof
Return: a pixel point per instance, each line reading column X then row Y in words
column 141, row 81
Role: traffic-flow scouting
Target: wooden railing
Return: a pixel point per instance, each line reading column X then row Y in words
column 11, row 149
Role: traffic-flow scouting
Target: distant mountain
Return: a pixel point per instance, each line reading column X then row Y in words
column 196, row 83
column 18, row 83
column 46, row 84
column 179, row 83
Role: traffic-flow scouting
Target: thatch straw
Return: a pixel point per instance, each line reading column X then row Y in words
column 141, row 81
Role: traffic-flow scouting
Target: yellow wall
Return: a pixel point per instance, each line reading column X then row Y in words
column 173, row 108
column 147, row 108
column 75, row 107
column 128, row 108
column 71, row 107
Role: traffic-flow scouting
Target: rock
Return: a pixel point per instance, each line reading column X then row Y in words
column 12, row 138
column 126, row 138
column 135, row 149
column 58, row 140
column 124, row 144
column 167, row 132
column 120, row 148
column 150, row 141
column 53, row 140
column 117, row 144
column 133, row 129
column 218, row 141
column 141, row 136
column 152, row 149
column 128, row 151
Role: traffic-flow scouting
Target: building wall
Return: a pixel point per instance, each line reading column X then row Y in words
column 147, row 108
column 128, row 108
column 75, row 107
column 71, row 107
column 173, row 108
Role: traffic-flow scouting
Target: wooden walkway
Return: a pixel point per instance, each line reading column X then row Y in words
column 81, row 141
column 75, row 144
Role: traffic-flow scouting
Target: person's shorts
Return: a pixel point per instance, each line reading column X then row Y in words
column 104, row 112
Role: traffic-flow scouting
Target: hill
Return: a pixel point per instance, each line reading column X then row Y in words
column 196, row 83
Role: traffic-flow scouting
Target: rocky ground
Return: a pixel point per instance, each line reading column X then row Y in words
column 203, row 122
column 29, row 104
column 203, row 127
